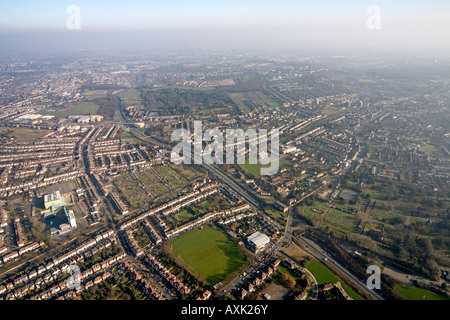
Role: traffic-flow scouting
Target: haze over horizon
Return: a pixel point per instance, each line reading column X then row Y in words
column 413, row 26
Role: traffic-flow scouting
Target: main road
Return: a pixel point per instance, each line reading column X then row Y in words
column 211, row 168
column 317, row 252
column 320, row 254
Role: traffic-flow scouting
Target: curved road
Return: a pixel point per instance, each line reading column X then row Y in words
column 320, row 254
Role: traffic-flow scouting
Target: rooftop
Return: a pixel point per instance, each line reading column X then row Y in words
column 258, row 239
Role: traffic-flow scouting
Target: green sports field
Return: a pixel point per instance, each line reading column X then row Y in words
column 429, row 148
column 208, row 254
column 323, row 275
column 414, row 293
column 255, row 169
column 22, row 134
column 81, row 108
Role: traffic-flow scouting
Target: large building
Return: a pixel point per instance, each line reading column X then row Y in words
column 53, row 200
column 71, row 218
column 281, row 206
column 257, row 241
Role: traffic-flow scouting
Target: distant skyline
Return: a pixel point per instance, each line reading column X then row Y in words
column 404, row 24
column 111, row 15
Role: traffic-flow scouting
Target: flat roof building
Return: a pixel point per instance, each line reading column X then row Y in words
column 71, row 218
column 53, row 200
column 280, row 206
column 258, row 241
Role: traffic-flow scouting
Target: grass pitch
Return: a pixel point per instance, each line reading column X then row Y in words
column 429, row 148
column 208, row 254
column 22, row 134
column 255, row 169
column 323, row 275
column 81, row 108
column 414, row 293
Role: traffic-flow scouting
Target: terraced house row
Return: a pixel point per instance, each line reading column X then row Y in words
column 92, row 276
column 177, row 284
column 41, row 182
column 151, row 231
column 206, row 218
column 44, row 276
column 142, row 283
column 132, row 243
column 169, row 204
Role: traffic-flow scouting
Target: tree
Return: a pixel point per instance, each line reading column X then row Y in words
column 291, row 282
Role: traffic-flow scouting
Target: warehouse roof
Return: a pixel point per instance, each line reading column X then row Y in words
column 258, row 239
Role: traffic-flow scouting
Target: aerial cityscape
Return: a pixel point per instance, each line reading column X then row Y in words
column 97, row 202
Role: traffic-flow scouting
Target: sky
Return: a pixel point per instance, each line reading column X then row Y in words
column 402, row 23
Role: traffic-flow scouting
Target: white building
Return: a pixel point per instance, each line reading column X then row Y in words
column 258, row 241
column 71, row 218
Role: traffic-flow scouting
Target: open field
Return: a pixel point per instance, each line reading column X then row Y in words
column 414, row 293
column 208, row 254
column 429, row 148
column 81, row 108
column 255, row 169
column 323, row 275
column 24, row 134
column 126, row 135
column 274, row 103
column 330, row 111
column 96, row 93
column 296, row 253
column 130, row 95
column 241, row 99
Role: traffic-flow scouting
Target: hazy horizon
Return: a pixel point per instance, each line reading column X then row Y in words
column 409, row 26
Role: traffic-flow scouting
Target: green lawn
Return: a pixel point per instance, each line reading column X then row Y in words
column 323, row 275
column 255, row 169
column 274, row 103
column 126, row 135
column 130, row 95
column 24, row 134
column 208, row 253
column 287, row 271
column 184, row 215
column 81, row 108
column 414, row 293
column 429, row 148
column 96, row 93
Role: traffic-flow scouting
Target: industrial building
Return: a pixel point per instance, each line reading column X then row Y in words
column 257, row 241
column 281, row 206
column 71, row 218
column 53, row 200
